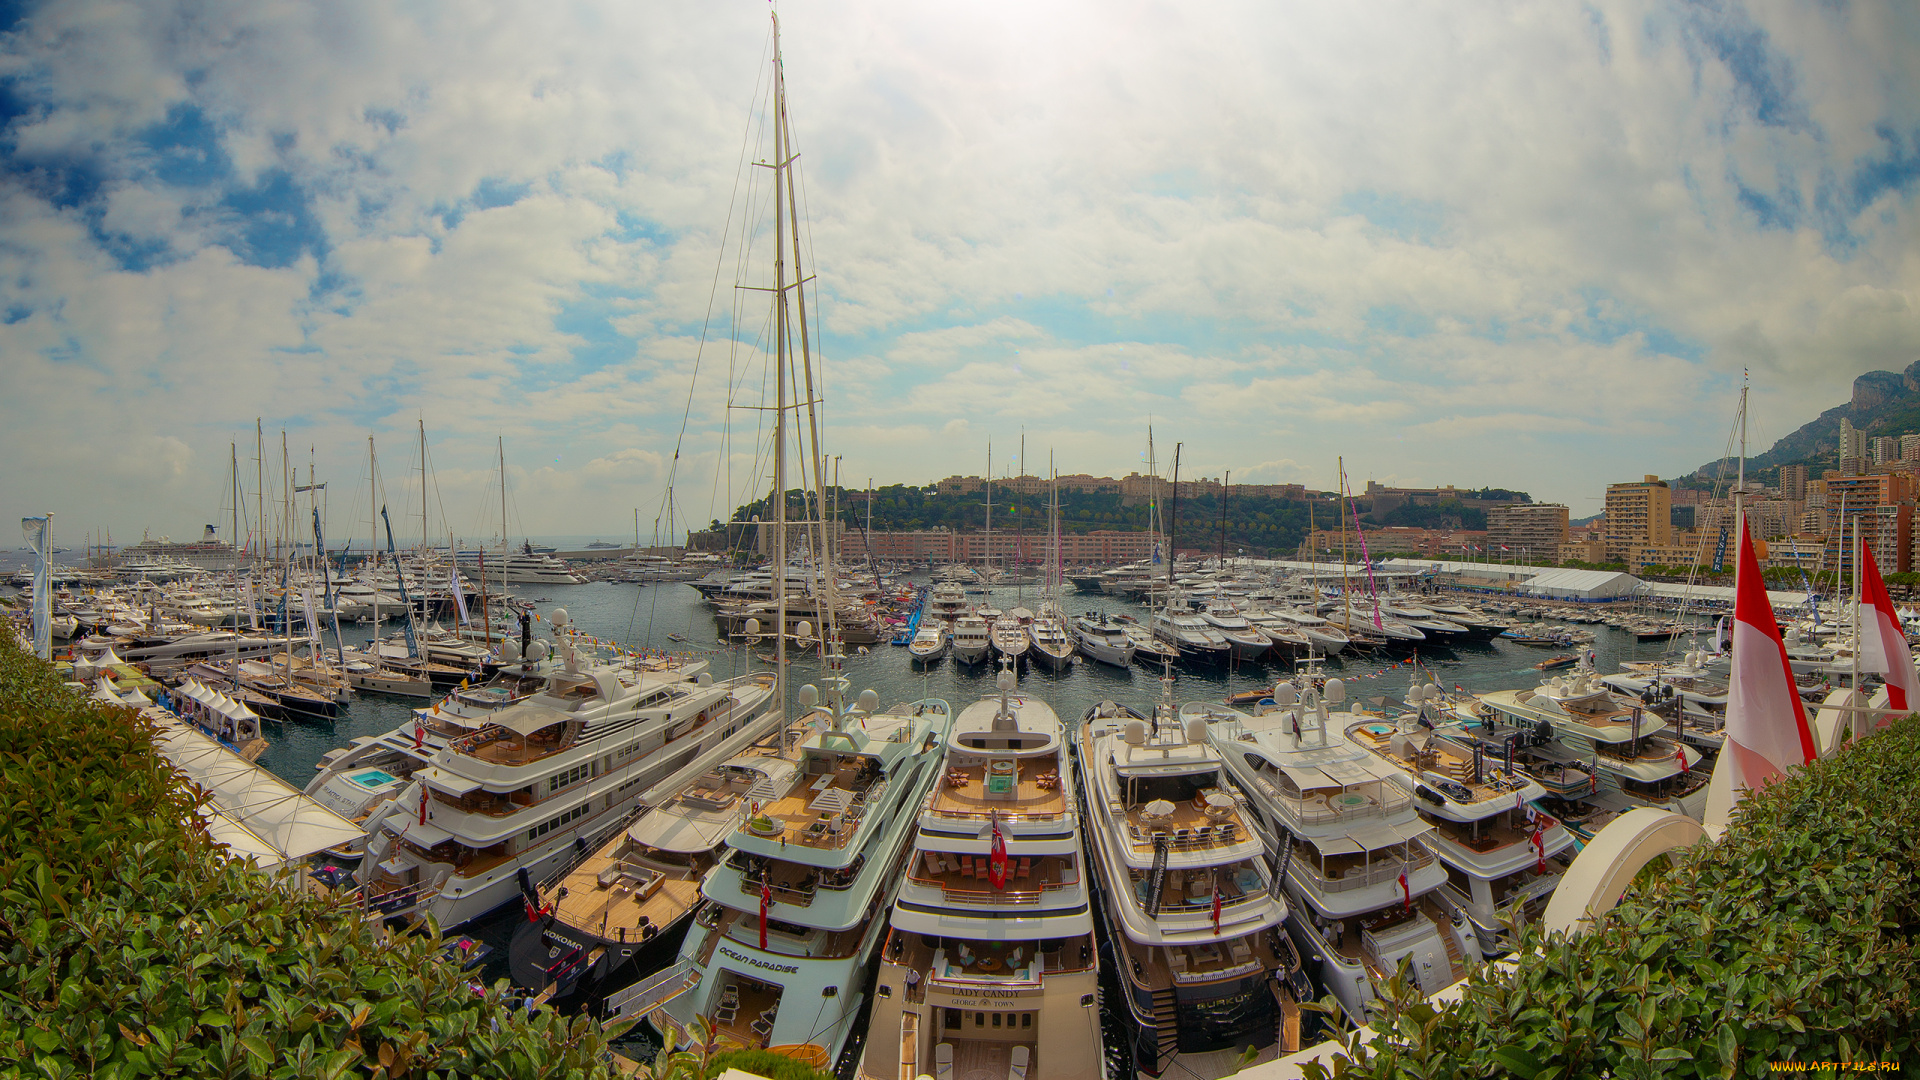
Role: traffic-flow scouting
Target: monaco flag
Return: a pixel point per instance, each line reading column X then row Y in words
column 1883, row 643
column 1766, row 731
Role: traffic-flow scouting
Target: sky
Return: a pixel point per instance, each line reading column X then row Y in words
column 1525, row 245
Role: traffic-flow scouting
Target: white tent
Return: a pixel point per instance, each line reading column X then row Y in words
column 1581, row 584
column 257, row 815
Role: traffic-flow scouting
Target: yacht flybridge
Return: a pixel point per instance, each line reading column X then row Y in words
column 564, row 763
column 1349, row 837
column 1189, row 896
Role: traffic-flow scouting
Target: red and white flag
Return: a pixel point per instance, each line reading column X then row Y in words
column 766, row 900
column 1407, row 889
column 1216, row 909
column 997, row 859
column 1766, row 730
column 1883, row 642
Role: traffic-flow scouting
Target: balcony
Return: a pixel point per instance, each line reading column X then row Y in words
column 961, row 880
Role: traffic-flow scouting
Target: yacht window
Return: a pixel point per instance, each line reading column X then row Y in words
column 996, row 1019
column 953, row 1019
column 1174, row 789
column 979, row 1019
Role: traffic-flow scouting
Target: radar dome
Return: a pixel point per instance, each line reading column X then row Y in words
column 538, row 651
column 705, row 678
column 509, row 650
column 1196, row 729
column 804, row 630
column 1137, row 732
column 559, row 617
column 809, row 696
column 869, row 701
column 1004, row 680
column 1335, row 692
column 752, row 627
column 1285, row 694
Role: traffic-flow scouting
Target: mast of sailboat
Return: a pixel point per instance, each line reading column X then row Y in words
column 989, row 577
column 1224, row 481
column 501, row 443
column 260, row 489
column 1346, row 594
column 1173, row 526
column 779, row 381
column 373, row 516
column 423, row 492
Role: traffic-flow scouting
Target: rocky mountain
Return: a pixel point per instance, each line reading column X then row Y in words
column 1884, row 403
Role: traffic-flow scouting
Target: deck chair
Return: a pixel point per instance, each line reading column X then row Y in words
column 933, row 864
column 1018, row 1069
column 1203, row 835
column 1238, row 948
column 1181, row 837
column 1026, row 867
column 943, row 1061
column 966, row 865
column 1177, row 960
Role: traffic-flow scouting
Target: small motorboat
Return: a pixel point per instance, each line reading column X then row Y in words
column 1557, row 662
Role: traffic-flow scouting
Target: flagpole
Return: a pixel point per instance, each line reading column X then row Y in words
column 1859, row 551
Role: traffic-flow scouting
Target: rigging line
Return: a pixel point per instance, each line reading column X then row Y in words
column 713, row 291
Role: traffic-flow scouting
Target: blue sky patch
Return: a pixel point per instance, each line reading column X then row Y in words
column 1417, row 221
column 277, row 223
column 186, row 149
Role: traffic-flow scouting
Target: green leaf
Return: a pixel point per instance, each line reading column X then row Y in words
column 1518, row 1062
column 1671, row 1053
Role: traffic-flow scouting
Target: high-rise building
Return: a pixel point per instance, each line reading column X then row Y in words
column 1883, row 449
column 1853, row 441
column 1793, row 482
column 1532, row 530
column 1638, row 514
column 1910, row 448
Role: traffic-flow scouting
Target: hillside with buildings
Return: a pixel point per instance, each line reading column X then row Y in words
column 1884, row 408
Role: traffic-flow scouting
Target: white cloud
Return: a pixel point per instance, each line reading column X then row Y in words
column 1441, row 242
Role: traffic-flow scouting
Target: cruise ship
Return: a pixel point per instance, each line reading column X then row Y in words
column 991, row 964
column 207, row 553
column 779, row 958
column 561, row 766
column 620, row 914
column 1503, row 855
column 1189, row 897
column 1350, row 839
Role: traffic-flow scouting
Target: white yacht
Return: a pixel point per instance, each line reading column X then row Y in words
column 1009, row 637
column 991, row 961
column 1637, row 761
column 1189, row 897
column 562, row 765
column 971, row 639
column 1247, row 641
column 1196, row 640
column 523, row 567
column 1048, row 641
column 930, row 642
column 949, row 601
column 778, row 959
column 1103, row 638
column 1502, row 854
column 1350, row 838
column 621, row 913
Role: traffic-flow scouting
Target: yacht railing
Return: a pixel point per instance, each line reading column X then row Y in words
column 1358, row 877
column 652, row 992
column 1385, row 801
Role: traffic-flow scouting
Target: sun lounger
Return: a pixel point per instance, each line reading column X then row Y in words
column 1021, row 1058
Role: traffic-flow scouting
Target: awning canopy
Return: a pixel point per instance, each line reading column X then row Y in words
column 527, row 718
column 257, row 815
column 426, row 835
column 451, row 783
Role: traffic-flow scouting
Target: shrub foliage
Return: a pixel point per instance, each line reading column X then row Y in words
column 132, row 945
column 1793, row 938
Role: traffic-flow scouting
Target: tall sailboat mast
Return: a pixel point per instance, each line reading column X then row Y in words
column 780, row 374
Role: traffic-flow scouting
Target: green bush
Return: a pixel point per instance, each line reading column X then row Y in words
column 763, row 1063
column 1793, row 938
column 130, row 945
